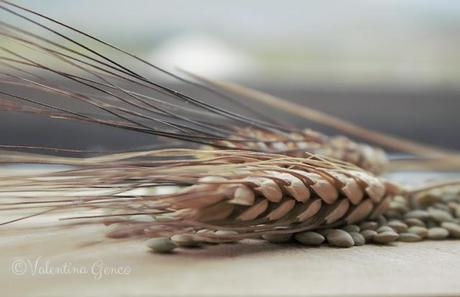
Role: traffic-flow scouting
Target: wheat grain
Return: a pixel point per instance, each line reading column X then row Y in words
column 358, row 238
column 409, row 237
column 309, row 238
column 161, row 245
column 368, row 235
column 385, row 237
column 454, row 229
column 420, row 231
column 414, row 222
column 438, row 233
column 430, row 209
column 339, row 238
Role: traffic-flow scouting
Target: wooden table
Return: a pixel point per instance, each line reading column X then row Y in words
column 253, row 268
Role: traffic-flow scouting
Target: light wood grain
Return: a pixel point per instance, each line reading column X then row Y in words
column 254, row 268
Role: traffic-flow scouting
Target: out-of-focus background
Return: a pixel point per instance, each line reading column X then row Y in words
column 390, row 65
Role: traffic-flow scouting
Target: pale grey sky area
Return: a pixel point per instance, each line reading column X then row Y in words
column 357, row 41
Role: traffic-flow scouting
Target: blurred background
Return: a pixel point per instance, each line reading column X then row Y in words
column 392, row 66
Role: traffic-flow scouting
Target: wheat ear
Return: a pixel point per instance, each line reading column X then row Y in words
column 383, row 139
column 246, row 192
column 370, row 158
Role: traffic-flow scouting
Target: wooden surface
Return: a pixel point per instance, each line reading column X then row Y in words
column 254, row 268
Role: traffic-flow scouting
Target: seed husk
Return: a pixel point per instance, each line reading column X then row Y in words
column 360, row 211
column 358, row 238
column 420, row 231
column 311, row 207
column 325, row 190
column 409, row 237
column 254, row 211
column 339, row 238
column 243, row 195
column 161, row 245
column 370, row 225
column 185, row 240
column 281, row 210
column 277, row 238
column 309, row 238
column 398, row 226
column 339, row 209
column 385, row 237
column 268, row 188
column 453, row 228
column 438, row 233
column 368, row 234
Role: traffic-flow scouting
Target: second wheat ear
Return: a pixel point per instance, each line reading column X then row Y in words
column 440, row 155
